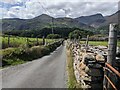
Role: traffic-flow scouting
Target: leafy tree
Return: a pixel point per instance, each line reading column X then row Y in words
column 75, row 35
column 53, row 36
column 39, row 36
column 62, row 31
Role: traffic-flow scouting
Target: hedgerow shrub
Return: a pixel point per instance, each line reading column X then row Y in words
column 12, row 56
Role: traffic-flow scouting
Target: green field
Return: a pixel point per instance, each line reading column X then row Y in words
column 21, row 41
column 96, row 43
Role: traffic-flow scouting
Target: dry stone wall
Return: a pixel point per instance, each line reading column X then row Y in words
column 88, row 65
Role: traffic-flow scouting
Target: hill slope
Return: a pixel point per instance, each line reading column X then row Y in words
column 92, row 20
column 40, row 22
column 114, row 18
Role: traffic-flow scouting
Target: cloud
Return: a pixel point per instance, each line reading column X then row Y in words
column 56, row 8
column 77, row 9
column 13, row 1
column 3, row 12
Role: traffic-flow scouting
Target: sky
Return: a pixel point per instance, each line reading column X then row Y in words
column 26, row 9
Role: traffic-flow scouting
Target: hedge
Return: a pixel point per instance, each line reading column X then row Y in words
column 10, row 56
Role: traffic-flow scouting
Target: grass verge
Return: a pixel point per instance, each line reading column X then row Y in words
column 72, row 83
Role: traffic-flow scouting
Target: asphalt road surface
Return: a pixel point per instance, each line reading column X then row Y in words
column 46, row 72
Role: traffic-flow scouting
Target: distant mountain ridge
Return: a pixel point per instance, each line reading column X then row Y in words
column 92, row 20
column 114, row 18
column 39, row 22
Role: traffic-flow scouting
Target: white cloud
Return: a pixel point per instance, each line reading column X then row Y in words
column 58, row 8
column 12, row 1
column 3, row 12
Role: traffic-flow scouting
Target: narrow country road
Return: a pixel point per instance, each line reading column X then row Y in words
column 46, row 72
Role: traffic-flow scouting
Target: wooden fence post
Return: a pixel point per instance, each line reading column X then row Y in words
column 37, row 40
column 112, row 44
column 43, row 40
column 27, row 42
column 8, row 40
column 87, row 42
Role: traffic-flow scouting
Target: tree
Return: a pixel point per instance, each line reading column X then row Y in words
column 53, row 36
column 75, row 35
column 39, row 36
column 62, row 31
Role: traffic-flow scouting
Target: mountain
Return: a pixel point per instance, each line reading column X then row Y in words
column 14, row 24
column 98, row 20
column 114, row 18
column 92, row 20
column 40, row 22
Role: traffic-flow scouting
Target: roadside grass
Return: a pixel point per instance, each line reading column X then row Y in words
column 15, row 56
column 13, row 62
column 71, row 83
column 96, row 43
